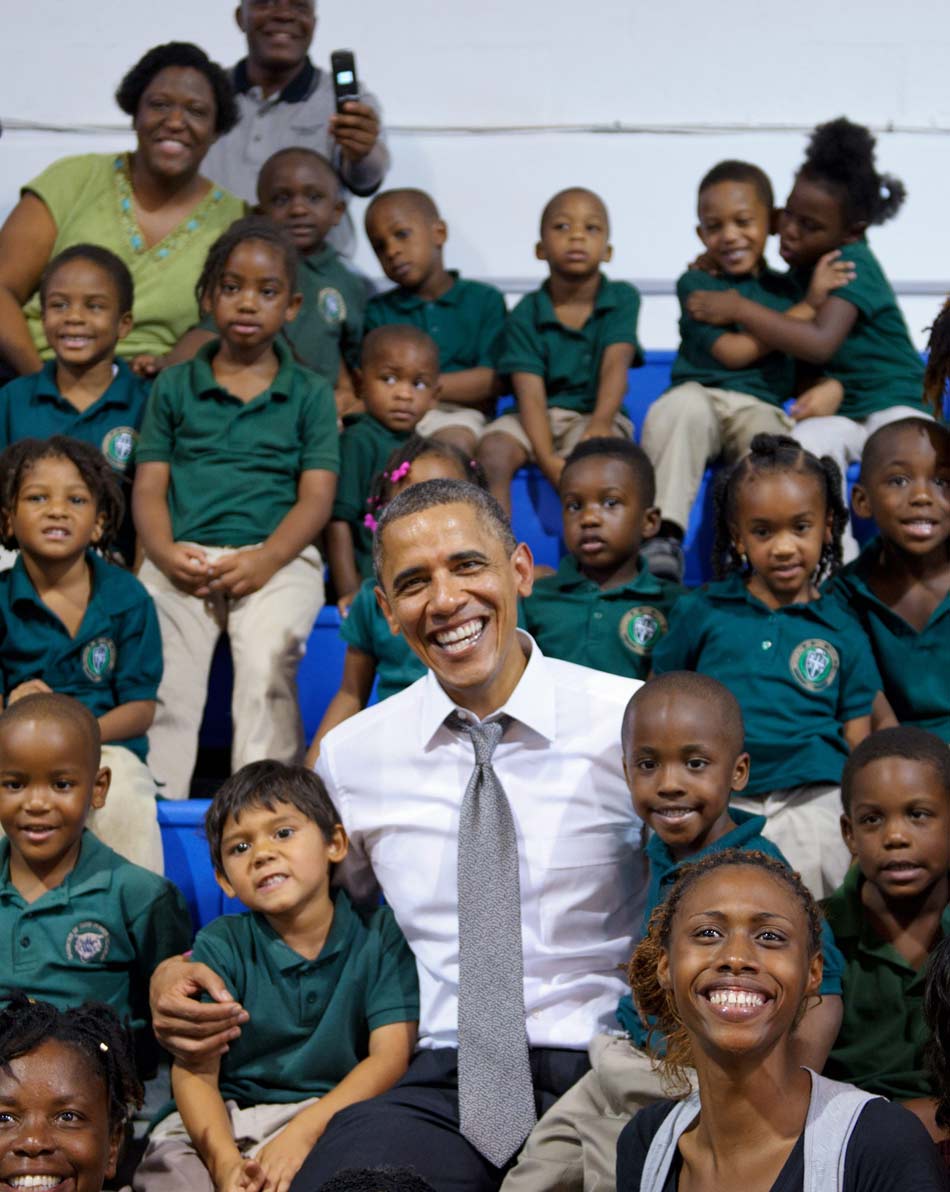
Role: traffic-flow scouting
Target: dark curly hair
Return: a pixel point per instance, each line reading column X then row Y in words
column 93, row 1029
column 251, row 227
column 180, row 53
column 404, row 456
column 937, row 372
column 107, row 261
column 937, row 1015
column 20, row 457
column 769, row 454
column 840, row 157
column 654, row 1004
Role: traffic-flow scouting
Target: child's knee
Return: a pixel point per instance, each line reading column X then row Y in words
column 500, row 455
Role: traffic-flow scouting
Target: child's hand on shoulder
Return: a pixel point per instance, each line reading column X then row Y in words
column 705, row 263
column 186, row 565
column 284, row 1155
column 30, row 687
column 718, row 307
column 147, row 365
column 829, row 274
column 241, row 573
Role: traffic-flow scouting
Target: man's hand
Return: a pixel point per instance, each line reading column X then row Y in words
column 241, row 573
column 819, row 401
column 189, row 1029
column 718, row 307
column 186, row 565
column 30, row 687
column 284, row 1155
column 146, row 365
column 829, row 274
column 355, row 130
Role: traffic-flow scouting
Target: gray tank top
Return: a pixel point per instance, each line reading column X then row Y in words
column 833, row 1112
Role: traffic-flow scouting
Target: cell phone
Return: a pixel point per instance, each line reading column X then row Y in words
column 345, row 84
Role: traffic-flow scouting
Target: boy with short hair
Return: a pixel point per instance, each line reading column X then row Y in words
column 727, row 387
column 77, row 921
column 332, row 994
column 899, row 586
column 86, row 295
column 683, row 758
column 465, row 318
column 603, row 607
column 399, row 383
column 568, row 347
column 891, row 910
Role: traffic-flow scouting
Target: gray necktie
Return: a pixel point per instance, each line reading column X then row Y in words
column 496, row 1096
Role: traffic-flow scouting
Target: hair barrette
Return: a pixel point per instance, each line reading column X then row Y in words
column 371, row 523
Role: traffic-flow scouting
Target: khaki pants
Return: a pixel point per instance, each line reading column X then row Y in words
column 448, row 414
column 268, row 631
column 567, row 429
column 843, row 439
column 171, row 1163
column 573, row 1148
column 805, row 823
column 691, row 425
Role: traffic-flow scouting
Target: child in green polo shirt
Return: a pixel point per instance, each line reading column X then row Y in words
column 465, row 318
column 603, row 608
column 238, row 460
column 375, row 656
column 78, row 923
column 727, row 386
column 683, row 758
column 331, row 992
column 891, row 911
column 398, row 381
column 800, row 667
column 899, row 586
column 568, row 347
column 86, row 296
column 72, row 622
column 859, row 335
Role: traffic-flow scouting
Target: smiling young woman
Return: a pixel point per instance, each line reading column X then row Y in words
column 728, row 965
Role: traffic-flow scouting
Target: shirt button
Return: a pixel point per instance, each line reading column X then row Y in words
column 25, row 941
column 311, row 998
column 766, row 645
column 598, row 616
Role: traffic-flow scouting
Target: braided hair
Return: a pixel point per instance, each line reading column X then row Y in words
column 937, row 1014
column 768, row 455
column 251, row 227
column 654, row 1004
column 399, row 463
column 93, row 1030
column 840, row 156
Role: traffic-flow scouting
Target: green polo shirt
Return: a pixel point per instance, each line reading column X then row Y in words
column 665, row 869
column 310, row 1019
column 913, row 664
column 613, row 629
column 329, row 324
column 235, row 465
column 364, row 448
column 877, row 364
column 115, row 657
column 799, row 674
column 96, row 937
column 772, row 377
column 880, row 1046
column 466, row 322
column 537, row 342
column 365, row 628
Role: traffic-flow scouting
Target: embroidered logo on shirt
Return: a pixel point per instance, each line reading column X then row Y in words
column 814, row 664
column 87, row 942
column 331, row 305
column 118, row 446
column 98, row 659
column 641, row 627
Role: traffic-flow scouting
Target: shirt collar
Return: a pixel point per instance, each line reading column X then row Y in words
column 605, row 299
column 846, row 911
column 825, row 609
column 206, row 385
column 531, row 703
column 92, row 871
column 406, row 300
column 297, row 90
column 748, row 826
column 338, row 939
column 319, row 258
column 121, row 596
column 116, row 394
column 569, row 575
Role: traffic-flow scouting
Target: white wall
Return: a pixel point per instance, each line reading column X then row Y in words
column 689, row 82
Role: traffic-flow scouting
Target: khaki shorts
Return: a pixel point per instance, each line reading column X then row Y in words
column 567, row 429
column 447, row 414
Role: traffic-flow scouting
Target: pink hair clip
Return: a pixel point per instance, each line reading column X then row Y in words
column 371, row 523
column 400, row 473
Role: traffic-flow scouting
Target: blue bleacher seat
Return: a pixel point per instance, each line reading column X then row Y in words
column 188, row 862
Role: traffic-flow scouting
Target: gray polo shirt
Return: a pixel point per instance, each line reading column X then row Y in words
column 297, row 115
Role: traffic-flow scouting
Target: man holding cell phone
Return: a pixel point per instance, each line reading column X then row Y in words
column 285, row 100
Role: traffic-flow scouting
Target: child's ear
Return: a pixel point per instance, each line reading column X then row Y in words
column 125, row 325
column 816, row 967
column 116, row 1138
column 339, row 844
column 737, row 544
column 540, row 252
column 100, row 788
column 650, row 522
column 339, row 209
column 740, row 772
column 608, row 253
column 293, row 308
column 440, row 232
column 860, row 502
column 847, row 834
column 224, row 883
column 98, row 528
column 663, row 971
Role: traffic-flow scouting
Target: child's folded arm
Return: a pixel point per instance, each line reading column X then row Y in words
column 199, row 1101
column 612, row 384
column 533, row 410
column 132, row 719
column 469, row 386
column 341, row 557
column 856, row 730
column 815, row 341
column 183, row 563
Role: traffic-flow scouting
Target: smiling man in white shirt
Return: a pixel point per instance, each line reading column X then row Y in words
column 450, row 574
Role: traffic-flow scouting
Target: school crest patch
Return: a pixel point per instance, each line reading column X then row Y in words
column 331, row 305
column 98, row 659
column 814, row 664
column 119, row 446
column 88, row 943
column 641, row 627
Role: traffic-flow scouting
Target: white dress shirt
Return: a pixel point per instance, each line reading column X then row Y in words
column 397, row 774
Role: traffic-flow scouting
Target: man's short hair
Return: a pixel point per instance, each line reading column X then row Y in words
column 264, row 784
column 905, row 741
column 433, row 493
column 740, row 171
column 710, row 691
column 53, row 705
